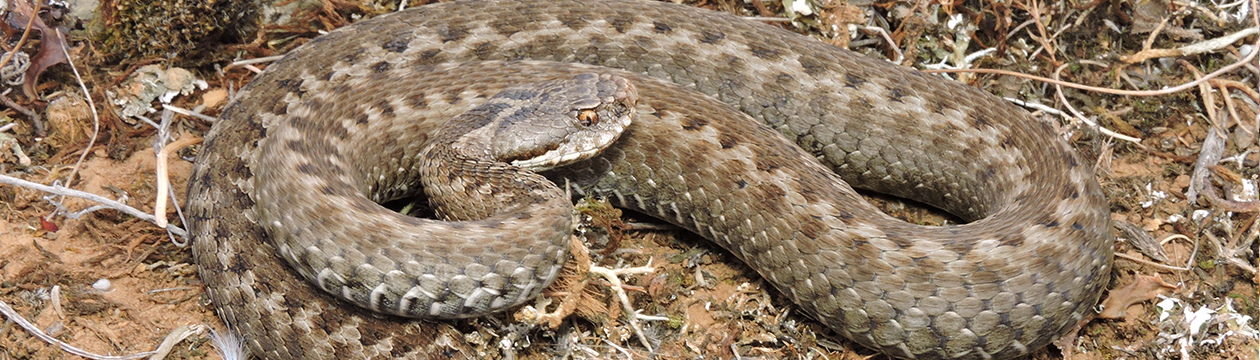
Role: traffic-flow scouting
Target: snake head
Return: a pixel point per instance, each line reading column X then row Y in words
column 548, row 124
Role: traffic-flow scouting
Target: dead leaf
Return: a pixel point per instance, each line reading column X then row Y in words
column 48, row 225
column 1144, row 288
column 51, row 42
column 50, row 53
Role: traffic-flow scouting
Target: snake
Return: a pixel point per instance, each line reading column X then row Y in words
column 748, row 135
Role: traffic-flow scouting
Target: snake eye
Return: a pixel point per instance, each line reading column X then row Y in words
column 588, row 117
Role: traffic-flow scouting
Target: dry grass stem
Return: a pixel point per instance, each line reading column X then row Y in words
column 186, row 112
column 1231, row 67
column 163, row 179
column 22, row 41
column 1189, row 263
column 96, row 120
column 105, row 203
column 616, row 286
column 12, row 315
column 244, row 63
column 1077, row 115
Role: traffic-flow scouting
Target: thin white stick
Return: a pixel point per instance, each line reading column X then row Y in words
column 1091, row 123
column 34, row 330
column 631, row 318
column 254, row 61
column 96, row 120
column 183, row 111
column 163, row 179
column 105, row 202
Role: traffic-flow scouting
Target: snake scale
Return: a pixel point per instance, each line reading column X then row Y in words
column 1031, row 262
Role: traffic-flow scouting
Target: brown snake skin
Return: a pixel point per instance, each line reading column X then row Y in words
column 1031, row 263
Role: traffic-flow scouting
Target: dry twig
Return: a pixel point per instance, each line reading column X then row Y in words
column 12, row 315
column 163, row 181
column 612, row 276
column 96, row 121
column 105, row 202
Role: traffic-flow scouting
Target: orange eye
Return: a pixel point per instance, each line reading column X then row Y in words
column 588, row 117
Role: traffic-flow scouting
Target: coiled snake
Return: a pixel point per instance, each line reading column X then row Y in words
column 365, row 99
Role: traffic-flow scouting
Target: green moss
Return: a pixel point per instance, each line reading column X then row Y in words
column 173, row 29
column 675, row 322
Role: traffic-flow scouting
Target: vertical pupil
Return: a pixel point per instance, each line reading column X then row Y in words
column 588, row 117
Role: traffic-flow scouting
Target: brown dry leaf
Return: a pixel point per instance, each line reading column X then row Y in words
column 50, row 53
column 50, row 45
column 213, row 98
column 1143, row 288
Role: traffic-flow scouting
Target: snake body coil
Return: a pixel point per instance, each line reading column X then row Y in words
column 1033, row 260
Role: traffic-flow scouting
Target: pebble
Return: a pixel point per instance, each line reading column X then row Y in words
column 102, row 285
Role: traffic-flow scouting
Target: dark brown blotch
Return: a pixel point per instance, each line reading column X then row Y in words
column 896, row 95
column 1070, row 160
column 485, row 50
column 294, row 145
column 353, row 56
column 693, row 123
column 981, row 122
column 860, row 105
column 661, row 28
column 936, row 106
column 452, row 32
column 294, row 121
column 773, row 193
column 380, row 67
column 620, row 24
column 505, row 27
column 306, row 168
column 362, row 206
column 727, row 140
column 338, row 131
column 711, row 37
column 767, row 162
column 291, row 85
column 763, row 53
column 540, row 45
column 395, row 45
column 812, row 66
column 329, row 190
column 956, row 246
column 785, row 79
column 429, row 55
column 853, row 81
column 386, row 108
column 1008, row 142
column 572, row 21
column 451, row 97
column 417, row 102
column 812, row 229
column 1012, row 239
column 278, row 107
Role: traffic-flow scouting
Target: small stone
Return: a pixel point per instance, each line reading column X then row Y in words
column 102, row 285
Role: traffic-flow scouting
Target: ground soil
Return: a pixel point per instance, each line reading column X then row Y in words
column 713, row 307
